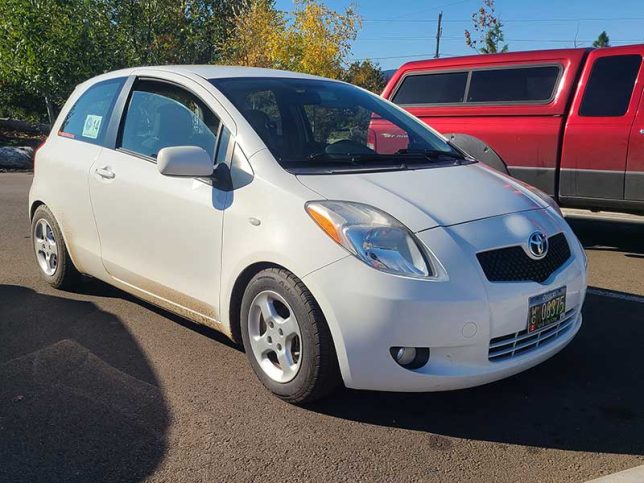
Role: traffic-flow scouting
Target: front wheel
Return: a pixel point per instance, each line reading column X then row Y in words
column 286, row 338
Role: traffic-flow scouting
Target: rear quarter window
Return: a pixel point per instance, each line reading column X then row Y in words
column 87, row 120
column 610, row 86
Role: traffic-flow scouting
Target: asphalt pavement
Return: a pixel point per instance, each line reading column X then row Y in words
column 96, row 385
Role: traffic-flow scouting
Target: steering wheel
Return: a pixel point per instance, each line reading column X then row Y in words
column 348, row 146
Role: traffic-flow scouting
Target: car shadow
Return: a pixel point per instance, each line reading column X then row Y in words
column 587, row 398
column 97, row 288
column 609, row 235
column 78, row 398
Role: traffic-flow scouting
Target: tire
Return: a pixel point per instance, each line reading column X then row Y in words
column 316, row 372
column 60, row 274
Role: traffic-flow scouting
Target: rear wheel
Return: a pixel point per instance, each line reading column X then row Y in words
column 286, row 338
column 54, row 264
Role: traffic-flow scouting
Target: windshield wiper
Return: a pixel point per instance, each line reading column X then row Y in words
column 353, row 159
column 430, row 153
column 346, row 162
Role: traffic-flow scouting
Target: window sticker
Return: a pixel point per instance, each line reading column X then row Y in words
column 92, row 126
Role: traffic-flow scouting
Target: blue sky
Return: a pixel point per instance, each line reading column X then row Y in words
column 397, row 31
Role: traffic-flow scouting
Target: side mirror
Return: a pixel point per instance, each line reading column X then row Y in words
column 190, row 161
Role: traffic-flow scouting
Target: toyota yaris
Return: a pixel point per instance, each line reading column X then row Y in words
column 258, row 202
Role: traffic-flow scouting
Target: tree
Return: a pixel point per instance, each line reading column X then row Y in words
column 171, row 31
column 313, row 39
column 49, row 46
column 488, row 29
column 257, row 36
column 365, row 74
column 602, row 40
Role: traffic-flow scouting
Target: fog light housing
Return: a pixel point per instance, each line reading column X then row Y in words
column 410, row 357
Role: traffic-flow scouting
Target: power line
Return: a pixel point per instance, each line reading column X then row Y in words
column 504, row 21
column 427, row 56
column 379, row 39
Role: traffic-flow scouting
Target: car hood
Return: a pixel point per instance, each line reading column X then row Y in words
column 426, row 198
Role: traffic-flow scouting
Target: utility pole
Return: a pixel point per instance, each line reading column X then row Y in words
column 439, row 32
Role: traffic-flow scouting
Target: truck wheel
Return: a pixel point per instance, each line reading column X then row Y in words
column 286, row 338
column 54, row 264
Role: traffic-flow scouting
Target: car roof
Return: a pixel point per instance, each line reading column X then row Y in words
column 228, row 71
column 207, row 72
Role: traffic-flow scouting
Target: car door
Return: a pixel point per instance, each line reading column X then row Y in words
column 160, row 235
column 75, row 144
column 634, row 183
column 595, row 146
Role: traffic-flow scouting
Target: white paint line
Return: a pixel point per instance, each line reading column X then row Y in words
column 602, row 215
column 616, row 295
column 634, row 475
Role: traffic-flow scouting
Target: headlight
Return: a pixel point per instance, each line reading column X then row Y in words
column 375, row 237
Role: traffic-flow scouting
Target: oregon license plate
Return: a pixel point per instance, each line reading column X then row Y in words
column 546, row 309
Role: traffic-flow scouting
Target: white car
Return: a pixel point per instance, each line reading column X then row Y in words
column 257, row 202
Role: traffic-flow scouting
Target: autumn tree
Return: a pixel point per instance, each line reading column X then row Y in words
column 602, row 40
column 313, row 39
column 365, row 74
column 488, row 31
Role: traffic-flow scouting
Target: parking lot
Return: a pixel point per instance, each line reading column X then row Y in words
column 95, row 384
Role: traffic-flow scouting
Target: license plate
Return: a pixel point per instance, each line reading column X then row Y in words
column 546, row 309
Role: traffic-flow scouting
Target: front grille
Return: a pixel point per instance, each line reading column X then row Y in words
column 512, row 264
column 518, row 343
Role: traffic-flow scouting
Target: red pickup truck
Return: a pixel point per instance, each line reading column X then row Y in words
column 570, row 122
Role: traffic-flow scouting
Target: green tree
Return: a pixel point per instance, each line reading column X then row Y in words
column 488, row 29
column 171, row 31
column 602, row 40
column 366, row 74
column 49, row 46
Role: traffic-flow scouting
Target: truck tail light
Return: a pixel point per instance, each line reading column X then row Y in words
column 371, row 139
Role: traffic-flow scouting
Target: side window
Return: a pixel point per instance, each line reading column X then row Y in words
column 527, row 84
column 161, row 115
column 443, row 88
column 88, row 118
column 610, row 86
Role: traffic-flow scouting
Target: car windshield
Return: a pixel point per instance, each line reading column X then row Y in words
column 308, row 123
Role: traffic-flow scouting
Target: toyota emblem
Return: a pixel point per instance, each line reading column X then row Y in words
column 538, row 244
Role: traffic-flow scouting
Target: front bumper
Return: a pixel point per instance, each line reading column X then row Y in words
column 456, row 315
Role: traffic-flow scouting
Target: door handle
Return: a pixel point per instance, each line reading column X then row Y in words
column 105, row 172
column 641, row 131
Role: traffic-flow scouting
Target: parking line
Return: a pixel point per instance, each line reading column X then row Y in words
column 616, row 295
column 634, row 475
